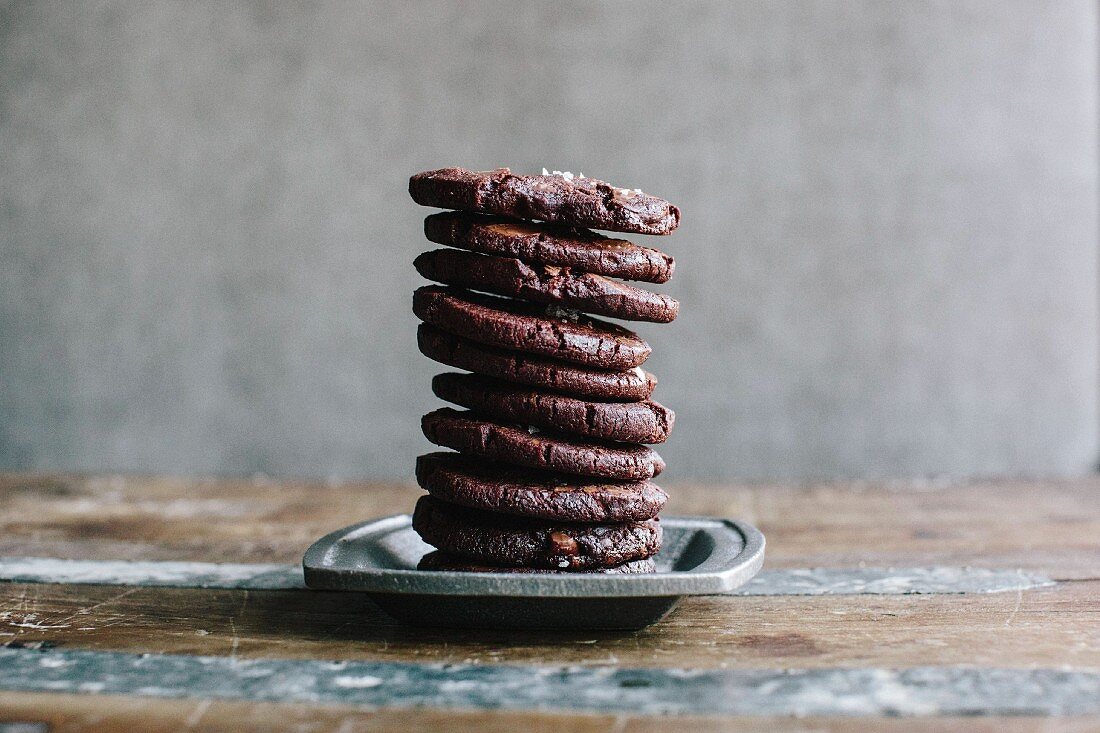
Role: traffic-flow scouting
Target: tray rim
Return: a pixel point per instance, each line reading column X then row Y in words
column 716, row 575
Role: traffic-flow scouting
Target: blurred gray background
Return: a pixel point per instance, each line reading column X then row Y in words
column 888, row 261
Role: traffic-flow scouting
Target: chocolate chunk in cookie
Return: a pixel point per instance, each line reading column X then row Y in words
column 546, row 284
column 511, row 324
column 498, row 539
column 563, row 199
column 594, row 384
column 624, row 422
column 494, row 487
column 549, row 244
column 519, row 446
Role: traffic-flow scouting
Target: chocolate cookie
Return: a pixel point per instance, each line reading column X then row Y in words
column 480, row 484
column 546, row 284
column 498, row 539
column 623, row 422
column 547, row 244
column 565, row 199
column 473, row 435
column 510, row 324
column 594, row 384
column 442, row 561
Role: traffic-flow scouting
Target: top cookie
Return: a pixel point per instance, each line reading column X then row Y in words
column 549, row 244
column 581, row 202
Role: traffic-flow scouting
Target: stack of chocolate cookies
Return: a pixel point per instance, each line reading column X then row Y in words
column 551, row 472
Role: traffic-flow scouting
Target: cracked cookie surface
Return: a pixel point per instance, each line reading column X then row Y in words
column 582, row 202
column 604, row 385
column 498, row 539
column 546, row 284
column 645, row 421
column 482, row 484
column 549, row 244
column 526, row 327
column 517, row 445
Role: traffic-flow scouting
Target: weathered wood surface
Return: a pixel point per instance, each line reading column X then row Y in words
column 1047, row 526
column 1050, row 529
column 604, row 689
column 1048, row 627
column 125, row 714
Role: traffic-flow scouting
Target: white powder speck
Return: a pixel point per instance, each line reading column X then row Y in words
column 562, row 174
column 357, row 683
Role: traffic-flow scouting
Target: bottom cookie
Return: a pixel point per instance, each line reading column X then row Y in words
column 442, row 561
column 498, row 539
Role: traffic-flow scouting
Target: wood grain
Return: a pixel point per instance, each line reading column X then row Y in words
column 1049, row 526
column 834, row 691
column 72, row 713
column 1052, row 627
column 1052, row 528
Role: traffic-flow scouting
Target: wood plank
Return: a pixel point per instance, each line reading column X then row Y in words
column 861, row 692
column 1048, row 527
column 1047, row 627
column 110, row 714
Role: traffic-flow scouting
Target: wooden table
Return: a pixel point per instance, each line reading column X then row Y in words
column 881, row 607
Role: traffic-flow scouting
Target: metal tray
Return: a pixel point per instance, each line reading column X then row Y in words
column 699, row 556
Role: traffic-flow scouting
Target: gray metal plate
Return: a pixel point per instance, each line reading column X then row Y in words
column 699, row 556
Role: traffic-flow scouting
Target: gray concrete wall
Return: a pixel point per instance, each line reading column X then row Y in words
column 887, row 264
